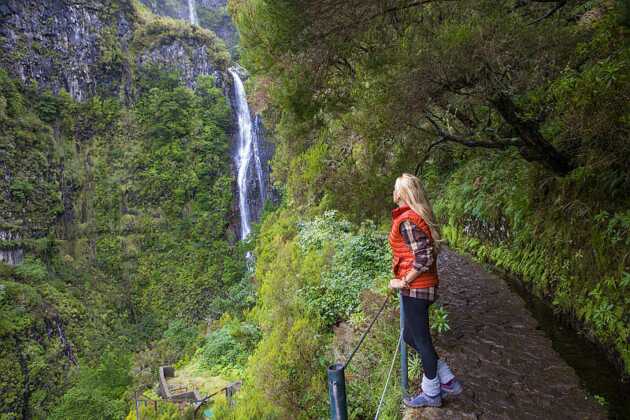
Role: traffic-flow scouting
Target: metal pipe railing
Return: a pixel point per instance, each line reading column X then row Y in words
column 404, row 376
column 337, row 392
column 336, row 372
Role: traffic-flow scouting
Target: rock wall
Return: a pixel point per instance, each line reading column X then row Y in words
column 66, row 45
column 211, row 14
column 88, row 48
column 91, row 48
column 191, row 55
column 10, row 251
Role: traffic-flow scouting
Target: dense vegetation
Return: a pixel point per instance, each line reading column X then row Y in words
column 313, row 272
column 141, row 255
column 514, row 113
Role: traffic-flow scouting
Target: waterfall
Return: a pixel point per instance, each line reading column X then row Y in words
column 251, row 174
column 192, row 13
column 244, row 151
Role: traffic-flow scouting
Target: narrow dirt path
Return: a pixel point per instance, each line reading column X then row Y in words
column 507, row 365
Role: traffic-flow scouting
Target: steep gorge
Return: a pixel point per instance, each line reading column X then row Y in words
column 118, row 216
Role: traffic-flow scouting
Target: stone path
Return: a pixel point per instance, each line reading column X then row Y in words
column 507, row 365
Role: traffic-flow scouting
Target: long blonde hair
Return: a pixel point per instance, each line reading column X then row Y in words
column 409, row 189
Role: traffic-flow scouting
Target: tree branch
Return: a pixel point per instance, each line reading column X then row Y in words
column 468, row 141
column 551, row 11
column 535, row 146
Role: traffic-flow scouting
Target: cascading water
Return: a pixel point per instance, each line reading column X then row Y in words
column 248, row 149
column 192, row 13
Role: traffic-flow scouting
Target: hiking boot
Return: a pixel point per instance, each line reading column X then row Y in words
column 423, row 400
column 449, row 385
column 452, row 387
column 430, row 395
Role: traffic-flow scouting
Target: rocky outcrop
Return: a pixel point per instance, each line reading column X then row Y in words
column 89, row 48
column 66, row 45
column 263, row 190
column 11, row 252
column 211, row 14
column 190, row 53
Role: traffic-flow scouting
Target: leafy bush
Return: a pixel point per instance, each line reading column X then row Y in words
column 313, row 273
column 32, row 269
column 99, row 392
column 359, row 260
column 228, row 347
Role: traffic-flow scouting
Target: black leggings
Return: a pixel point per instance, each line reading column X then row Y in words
column 417, row 334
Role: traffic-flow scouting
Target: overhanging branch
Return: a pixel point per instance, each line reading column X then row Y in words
column 464, row 140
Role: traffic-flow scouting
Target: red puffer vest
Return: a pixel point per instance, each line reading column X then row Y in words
column 403, row 256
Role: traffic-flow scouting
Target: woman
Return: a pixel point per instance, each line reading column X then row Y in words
column 415, row 242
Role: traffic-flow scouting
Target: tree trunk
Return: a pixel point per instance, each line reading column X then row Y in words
column 535, row 146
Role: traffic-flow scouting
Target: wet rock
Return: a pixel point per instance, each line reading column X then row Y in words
column 10, row 251
column 188, row 57
column 84, row 47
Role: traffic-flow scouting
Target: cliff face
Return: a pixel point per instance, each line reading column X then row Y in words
column 74, row 46
column 210, row 14
column 88, row 49
column 103, row 154
column 95, row 47
column 189, row 51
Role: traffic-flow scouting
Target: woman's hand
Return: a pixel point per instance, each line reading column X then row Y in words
column 396, row 284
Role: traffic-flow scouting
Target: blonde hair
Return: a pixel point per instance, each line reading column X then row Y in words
column 409, row 189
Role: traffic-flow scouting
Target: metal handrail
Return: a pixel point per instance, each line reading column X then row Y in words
column 336, row 372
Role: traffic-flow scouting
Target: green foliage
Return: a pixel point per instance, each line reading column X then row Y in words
column 359, row 105
column 359, row 261
column 26, row 141
column 33, row 318
column 31, row 269
column 99, row 392
column 439, row 318
column 227, row 348
column 140, row 255
column 498, row 223
column 180, row 335
column 314, row 272
column 157, row 31
column 165, row 411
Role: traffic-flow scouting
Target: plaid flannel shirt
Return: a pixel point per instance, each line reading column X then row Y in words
column 422, row 249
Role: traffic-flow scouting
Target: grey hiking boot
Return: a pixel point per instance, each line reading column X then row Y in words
column 430, row 395
column 423, row 400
